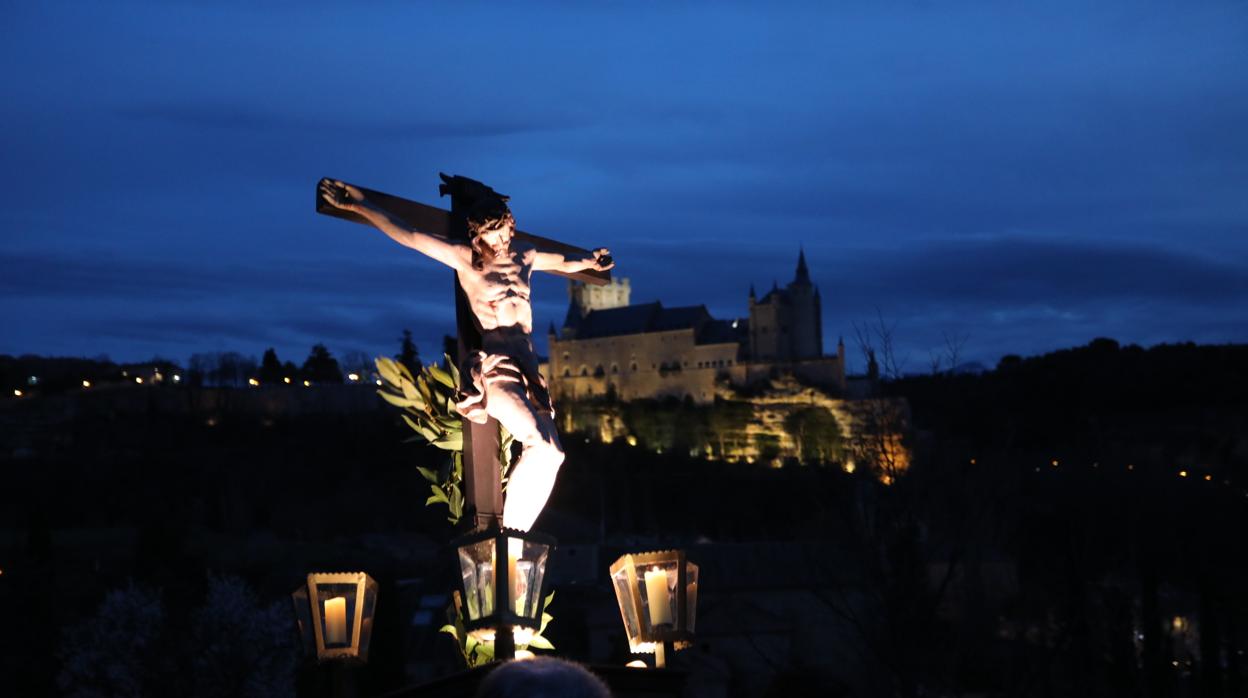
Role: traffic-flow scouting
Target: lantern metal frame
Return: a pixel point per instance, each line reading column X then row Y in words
column 308, row 611
column 661, row 639
column 502, row 625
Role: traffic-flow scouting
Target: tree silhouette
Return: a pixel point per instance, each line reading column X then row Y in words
column 321, row 366
column 270, row 368
column 408, row 355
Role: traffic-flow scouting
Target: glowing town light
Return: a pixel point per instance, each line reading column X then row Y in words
column 307, row 384
column 177, row 378
column 1182, row 473
column 1208, row 478
column 378, row 381
column 1130, row 466
column 353, row 377
column 286, row 380
column 86, row 384
column 253, row 382
column 17, row 393
column 1054, row 463
column 138, row 379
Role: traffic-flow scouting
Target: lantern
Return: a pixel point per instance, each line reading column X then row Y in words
column 658, row 597
column 502, row 571
column 335, row 615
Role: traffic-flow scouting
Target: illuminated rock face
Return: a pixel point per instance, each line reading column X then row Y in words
column 648, row 351
column 786, row 421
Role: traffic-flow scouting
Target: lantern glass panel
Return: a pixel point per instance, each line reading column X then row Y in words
column 476, row 562
column 628, row 606
column 336, row 603
column 366, row 623
column 303, row 617
column 691, row 595
column 530, row 572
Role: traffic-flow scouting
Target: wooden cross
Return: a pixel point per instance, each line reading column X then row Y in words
column 483, row 494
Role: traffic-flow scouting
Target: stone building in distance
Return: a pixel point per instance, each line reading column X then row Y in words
column 609, row 347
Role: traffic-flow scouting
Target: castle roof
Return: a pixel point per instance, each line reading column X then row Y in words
column 653, row 317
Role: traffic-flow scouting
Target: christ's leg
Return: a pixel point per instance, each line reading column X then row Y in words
column 533, row 476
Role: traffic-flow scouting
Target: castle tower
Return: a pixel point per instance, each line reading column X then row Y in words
column 787, row 324
column 805, row 315
column 585, row 297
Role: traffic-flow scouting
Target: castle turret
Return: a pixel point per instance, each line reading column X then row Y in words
column 803, row 274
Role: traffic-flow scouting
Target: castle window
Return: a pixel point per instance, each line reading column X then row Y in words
column 566, row 356
column 584, row 370
column 634, row 366
column 599, row 371
column 615, row 368
column 567, row 373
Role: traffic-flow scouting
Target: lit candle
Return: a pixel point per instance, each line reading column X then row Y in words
column 514, row 548
column 656, row 594
column 336, row 620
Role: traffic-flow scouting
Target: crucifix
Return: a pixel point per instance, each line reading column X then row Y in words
column 499, row 379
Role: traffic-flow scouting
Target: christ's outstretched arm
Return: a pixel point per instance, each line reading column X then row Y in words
column 598, row 260
column 349, row 198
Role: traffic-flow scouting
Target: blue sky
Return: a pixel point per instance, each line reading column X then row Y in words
column 1030, row 175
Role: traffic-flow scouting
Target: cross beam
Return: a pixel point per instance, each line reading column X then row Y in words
column 440, row 222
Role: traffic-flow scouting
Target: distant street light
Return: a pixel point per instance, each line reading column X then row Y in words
column 17, row 393
column 86, row 384
column 286, row 380
column 253, row 382
column 353, row 377
column 138, row 379
column 658, row 597
column 335, row 615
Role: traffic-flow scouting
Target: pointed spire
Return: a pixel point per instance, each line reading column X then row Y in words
column 775, row 286
column 752, row 296
column 803, row 274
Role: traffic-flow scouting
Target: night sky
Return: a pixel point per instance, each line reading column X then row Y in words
column 1030, row 175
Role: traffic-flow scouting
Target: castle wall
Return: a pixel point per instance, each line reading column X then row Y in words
column 639, row 366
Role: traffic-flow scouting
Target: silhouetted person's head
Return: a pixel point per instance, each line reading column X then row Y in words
column 542, row 677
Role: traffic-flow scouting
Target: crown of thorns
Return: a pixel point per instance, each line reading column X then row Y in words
column 489, row 214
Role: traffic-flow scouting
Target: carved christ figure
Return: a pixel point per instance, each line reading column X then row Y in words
column 501, row 380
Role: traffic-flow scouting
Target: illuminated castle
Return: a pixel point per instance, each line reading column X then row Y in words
column 609, row 347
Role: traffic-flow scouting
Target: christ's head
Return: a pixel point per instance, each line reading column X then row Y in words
column 490, row 227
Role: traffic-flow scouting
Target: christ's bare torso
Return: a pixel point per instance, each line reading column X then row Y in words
column 499, row 292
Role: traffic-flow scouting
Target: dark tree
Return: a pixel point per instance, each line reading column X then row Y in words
column 409, row 355
column 270, row 368
column 321, row 366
